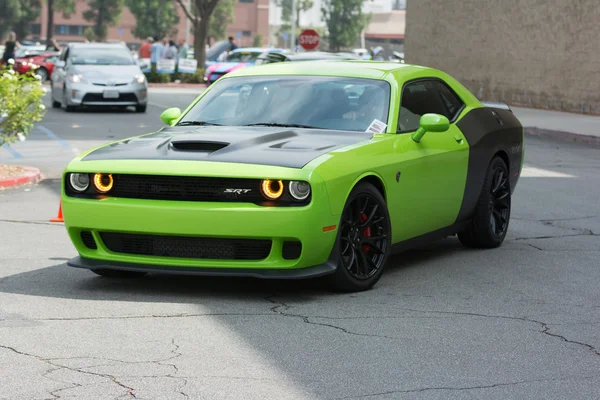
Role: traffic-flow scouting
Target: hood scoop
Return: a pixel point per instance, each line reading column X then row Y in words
column 202, row 146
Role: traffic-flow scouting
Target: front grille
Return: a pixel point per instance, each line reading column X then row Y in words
column 185, row 188
column 104, row 84
column 88, row 240
column 187, row 247
column 97, row 97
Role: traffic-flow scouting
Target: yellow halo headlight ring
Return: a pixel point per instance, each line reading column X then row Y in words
column 103, row 182
column 272, row 189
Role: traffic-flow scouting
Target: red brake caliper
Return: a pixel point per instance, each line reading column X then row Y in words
column 366, row 233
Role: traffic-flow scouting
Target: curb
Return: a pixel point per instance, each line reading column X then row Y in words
column 563, row 136
column 31, row 175
column 178, row 85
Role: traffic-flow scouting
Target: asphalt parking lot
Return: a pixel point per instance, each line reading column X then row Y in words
column 444, row 322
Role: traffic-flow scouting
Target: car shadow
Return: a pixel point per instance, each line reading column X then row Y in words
column 104, row 110
column 62, row 281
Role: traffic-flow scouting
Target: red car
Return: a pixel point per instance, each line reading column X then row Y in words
column 45, row 62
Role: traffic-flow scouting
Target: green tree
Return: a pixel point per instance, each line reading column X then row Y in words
column 199, row 15
column 344, row 20
column 29, row 11
column 156, row 18
column 103, row 13
column 67, row 7
column 221, row 18
column 287, row 12
column 257, row 40
column 10, row 11
column 89, row 34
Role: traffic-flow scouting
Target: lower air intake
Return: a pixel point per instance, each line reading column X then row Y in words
column 88, row 240
column 291, row 250
column 187, row 247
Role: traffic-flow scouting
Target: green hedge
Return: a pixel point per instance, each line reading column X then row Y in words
column 155, row 77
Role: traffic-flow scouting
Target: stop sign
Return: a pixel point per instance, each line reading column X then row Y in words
column 308, row 39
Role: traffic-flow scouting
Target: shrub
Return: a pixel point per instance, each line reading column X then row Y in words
column 21, row 104
column 197, row 77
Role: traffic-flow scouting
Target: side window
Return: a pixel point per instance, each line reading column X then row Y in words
column 423, row 97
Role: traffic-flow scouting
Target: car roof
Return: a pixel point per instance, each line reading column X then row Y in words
column 311, row 55
column 256, row 49
column 78, row 45
column 346, row 68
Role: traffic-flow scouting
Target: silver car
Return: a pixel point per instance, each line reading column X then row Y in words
column 98, row 74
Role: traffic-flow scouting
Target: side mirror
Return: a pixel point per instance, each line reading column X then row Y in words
column 59, row 64
column 170, row 115
column 430, row 123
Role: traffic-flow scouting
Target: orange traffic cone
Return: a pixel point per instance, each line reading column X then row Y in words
column 59, row 217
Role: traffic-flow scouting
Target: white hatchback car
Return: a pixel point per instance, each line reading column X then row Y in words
column 98, row 74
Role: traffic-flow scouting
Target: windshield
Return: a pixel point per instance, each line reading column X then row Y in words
column 102, row 57
column 242, row 56
column 320, row 102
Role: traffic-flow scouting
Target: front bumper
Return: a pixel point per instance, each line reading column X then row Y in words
column 89, row 94
column 264, row 273
column 206, row 220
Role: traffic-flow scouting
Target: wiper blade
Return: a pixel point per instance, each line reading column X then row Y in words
column 283, row 125
column 198, row 123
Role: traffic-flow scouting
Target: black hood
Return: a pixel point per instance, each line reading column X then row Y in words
column 283, row 147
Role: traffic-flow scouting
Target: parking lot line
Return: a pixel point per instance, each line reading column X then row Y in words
column 12, row 151
column 54, row 136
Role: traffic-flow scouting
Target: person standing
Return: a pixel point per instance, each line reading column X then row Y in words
column 156, row 51
column 170, row 51
column 164, row 48
column 145, row 48
column 232, row 45
column 10, row 46
column 183, row 49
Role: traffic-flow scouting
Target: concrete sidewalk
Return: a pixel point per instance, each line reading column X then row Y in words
column 560, row 125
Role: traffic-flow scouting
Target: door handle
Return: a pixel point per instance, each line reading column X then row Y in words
column 458, row 139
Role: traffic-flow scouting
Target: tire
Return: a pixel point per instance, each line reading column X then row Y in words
column 56, row 104
column 489, row 225
column 363, row 242
column 43, row 72
column 114, row 273
column 140, row 108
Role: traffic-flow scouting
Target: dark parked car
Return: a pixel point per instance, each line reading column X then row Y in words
column 270, row 57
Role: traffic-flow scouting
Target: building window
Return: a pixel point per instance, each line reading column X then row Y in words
column 69, row 30
column 246, row 1
column 75, row 30
column 35, row 29
column 246, row 33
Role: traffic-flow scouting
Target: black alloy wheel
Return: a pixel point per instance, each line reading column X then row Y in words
column 489, row 225
column 499, row 202
column 363, row 240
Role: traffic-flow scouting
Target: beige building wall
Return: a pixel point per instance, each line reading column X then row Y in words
column 537, row 53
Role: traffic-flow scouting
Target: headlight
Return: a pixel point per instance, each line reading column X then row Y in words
column 77, row 78
column 272, row 190
column 141, row 78
column 299, row 190
column 79, row 182
column 103, row 182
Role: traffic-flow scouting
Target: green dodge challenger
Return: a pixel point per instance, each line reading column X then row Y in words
column 297, row 170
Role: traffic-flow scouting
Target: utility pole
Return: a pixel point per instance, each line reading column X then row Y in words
column 293, row 35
